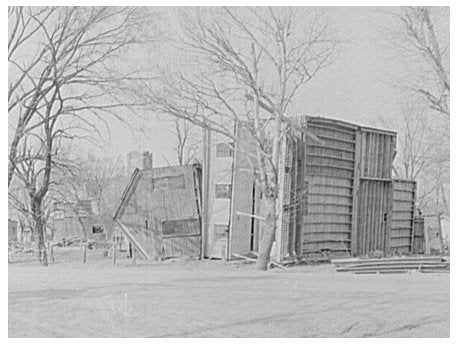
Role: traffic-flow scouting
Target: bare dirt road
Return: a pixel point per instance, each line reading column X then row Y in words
column 211, row 299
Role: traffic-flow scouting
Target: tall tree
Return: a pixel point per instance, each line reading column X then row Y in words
column 64, row 81
column 421, row 40
column 265, row 55
column 422, row 155
column 426, row 51
column 99, row 181
column 185, row 150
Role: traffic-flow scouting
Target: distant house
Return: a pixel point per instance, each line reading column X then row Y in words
column 68, row 220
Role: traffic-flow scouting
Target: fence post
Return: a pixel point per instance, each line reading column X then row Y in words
column 134, row 256
column 115, row 239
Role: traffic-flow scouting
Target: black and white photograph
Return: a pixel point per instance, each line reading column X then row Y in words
column 262, row 171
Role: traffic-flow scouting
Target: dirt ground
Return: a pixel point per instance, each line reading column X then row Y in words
column 213, row 299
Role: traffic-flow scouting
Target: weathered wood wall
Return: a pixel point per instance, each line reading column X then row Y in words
column 294, row 196
column 346, row 208
column 419, row 244
column 402, row 225
column 69, row 227
column 375, row 192
column 433, row 234
column 147, row 206
column 329, row 171
column 243, row 198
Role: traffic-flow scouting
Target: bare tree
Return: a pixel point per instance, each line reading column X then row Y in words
column 34, row 176
column 74, row 193
column 67, row 90
column 423, row 155
column 104, row 181
column 62, row 60
column 420, row 37
column 185, row 150
column 90, row 179
column 419, row 40
column 416, row 145
column 265, row 55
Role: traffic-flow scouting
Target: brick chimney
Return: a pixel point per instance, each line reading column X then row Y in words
column 147, row 160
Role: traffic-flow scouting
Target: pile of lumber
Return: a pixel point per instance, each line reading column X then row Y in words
column 392, row 265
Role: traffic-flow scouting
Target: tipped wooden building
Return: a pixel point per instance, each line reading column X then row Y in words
column 338, row 193
column 160, row 212
column 340, row 196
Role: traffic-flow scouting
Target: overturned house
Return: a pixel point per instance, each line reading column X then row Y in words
column 338, row 194
column 159, row 212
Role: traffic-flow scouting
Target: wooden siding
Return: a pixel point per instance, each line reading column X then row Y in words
column 243, row 182
column 402, row 225
column 419, row 245
column 182, row 246
column 377, row 152
column 329, row 171
column 346, row 172
column 373, row 221
column 219, row 209
column 375, row 192
column 285, row 190
column 145, row 208
column 296, row 204
column 69, row 227
column 433, row 234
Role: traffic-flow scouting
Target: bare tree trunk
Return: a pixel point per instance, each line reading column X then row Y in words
column 52, row 253
column 39, row 230
column 83, row 228
column 12, row 160
column 268, row 237
column 42, row 252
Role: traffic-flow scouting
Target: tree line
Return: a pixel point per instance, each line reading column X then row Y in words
column 242, row 64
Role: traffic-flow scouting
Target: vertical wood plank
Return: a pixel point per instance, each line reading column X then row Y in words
column 412, row 242
column 371, row 215
column 389, row 218
column 356, row 194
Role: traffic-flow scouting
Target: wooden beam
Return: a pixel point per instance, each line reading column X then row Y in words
column 133, row 240
column 251, row 215
column 412, row 243
column 126, row 194
column 205, row 190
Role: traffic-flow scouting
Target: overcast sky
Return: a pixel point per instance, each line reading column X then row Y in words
column 358, row 87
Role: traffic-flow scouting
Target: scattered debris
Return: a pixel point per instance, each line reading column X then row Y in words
column 392, row 265
column 271, row 263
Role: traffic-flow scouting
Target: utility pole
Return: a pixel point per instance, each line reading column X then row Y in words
column 205, row 188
